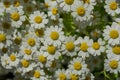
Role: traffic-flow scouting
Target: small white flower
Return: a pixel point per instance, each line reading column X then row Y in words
column 38, row 19
column 97, row 47
column 78, row 66
column 112, row 65
column 112, row 7
column 83, row 45
column 54, row 35
column 112, row 34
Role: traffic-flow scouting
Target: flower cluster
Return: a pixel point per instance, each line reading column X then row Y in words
column 60, row 39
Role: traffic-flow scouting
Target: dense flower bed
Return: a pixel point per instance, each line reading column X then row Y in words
column 60, row 39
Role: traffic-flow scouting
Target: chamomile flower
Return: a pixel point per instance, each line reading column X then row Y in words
column 5, row 40
column 41, row 59
column 97, row 47
column 81, row 12
column 31, row 41
column 89, row 76
column 50, row 3
column 83, row 45
column 39, row 74
column 67, row 5
column 5, row 61
column 26, row 66
column 112, row 65
column 14, row 59
column 17, row 17
column 38, row 19
column 78, row 66
column 68, row 47
column 112, row 7
column 53, row 13
column 54, row 35
column 113, row 50
column 112, row 34
column 117, row 20
column 61, row 74
column 91, row 3
column 52, row 51
column 95, row 33
column 72, row 76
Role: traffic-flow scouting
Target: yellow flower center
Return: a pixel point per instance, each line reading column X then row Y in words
column 54, row 11
column 84, row 46
column 6, row 25
column 53, row 65
column 74, row 77
column 39, row 32
column 86, row 1
column 62, row 76
column 31, row 41
column 4, row 49
column 17, row 40
column 116, row 50
column 42, row 58
column 6, row 4
column 2, row 38
column 15, row 16
column 77, row 65
column 51, row 49
column 96, row 45
column 25, row 63
column 70, row 46
column 46, row 5
column 113, row 5
column 113, row 64
column 69, row 2
column 27, row 51
column 81, row 11
column 16, row 3
column 114, row 34
column 12, row 57
column 38, row 19
column 37, row 74
column 54, row 35
column 95, row 34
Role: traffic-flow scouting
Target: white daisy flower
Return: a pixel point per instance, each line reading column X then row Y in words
column 95, row 33
column 53, row 13
column 5, row 61
column 81, row 12
column 31, row 41
column 113, row 50
column 17, row 17
column 112, row 7
column 91, row 3
column 39, row 75
column 72, row 76
column 112, row 65
column 52, row 52
column 89, row 76
column 61, row 74
column 26, row 66
column 27, row 53
column 41, row 58
column 54, row 35
column 68, row 47
column 112, row 33
column 67, row 5
column 5, row 39
column 14, row 60
column 83, row 45
column 97, row 47
column 38, row 19
column 78, row 66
